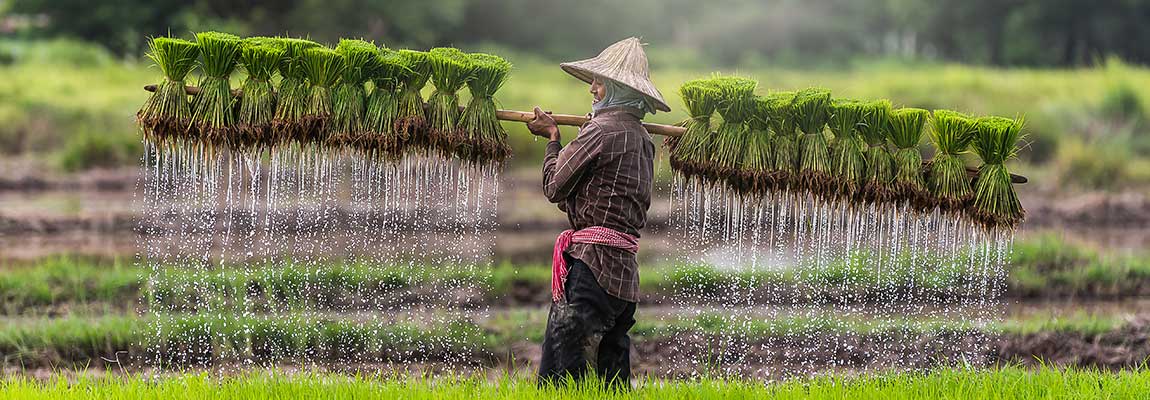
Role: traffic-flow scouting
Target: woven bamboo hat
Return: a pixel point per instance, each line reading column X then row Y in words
column 624, row 62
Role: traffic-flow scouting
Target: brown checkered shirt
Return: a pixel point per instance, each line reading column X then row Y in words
column 603, row 178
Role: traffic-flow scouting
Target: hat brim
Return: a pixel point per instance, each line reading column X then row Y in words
column 641, row 85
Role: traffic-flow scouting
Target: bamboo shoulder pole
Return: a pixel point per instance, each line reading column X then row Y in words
column 579, row 120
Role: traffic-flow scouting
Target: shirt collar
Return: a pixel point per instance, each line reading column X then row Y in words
column 619, row 111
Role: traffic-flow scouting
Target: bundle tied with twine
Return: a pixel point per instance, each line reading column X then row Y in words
column 758, row 163
column 951, row 133
column 379, row 137
column 212, row 109
column 481, row 138
column 779, row 106
column 349, row 97
column 811, row 111
column 736, row 106
column 410, row 118
column 323, row 67
column 905, row 128
column 293, row 90
column 167, row 114
column 450, row 70
column 701, row 98
column 847, row 158
column 879, row 165
column 996, row 204
column 260, row 58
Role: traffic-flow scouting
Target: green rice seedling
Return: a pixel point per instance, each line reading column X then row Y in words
column 811, row 111
column 736, row 106
column 951, row 133
column 848, row 160
column 350, row 95
column 293, row 90
column 784, row 142
column 410, row 117
column 167, row 114
column 701, row 99
column 996, row 205
column 379, row 136
column 212, row 109
column 482, row 138
column 879, row 166
column 905, row 128
column 757, row 158
column 450, row 70
column 323, row 67
column 261, row 58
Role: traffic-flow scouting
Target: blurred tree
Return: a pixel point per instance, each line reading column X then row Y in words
column 806, row 32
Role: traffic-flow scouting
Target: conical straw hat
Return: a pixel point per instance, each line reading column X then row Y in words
column 624, row 62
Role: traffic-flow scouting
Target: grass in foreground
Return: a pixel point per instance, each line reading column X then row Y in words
column 1005, row 383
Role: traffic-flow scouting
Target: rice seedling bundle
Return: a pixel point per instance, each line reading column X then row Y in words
column 951, row 133
column 811, row 111
column 350, row 95
column 212, row 109
column 323, row 67
column 879, row 165
column 261, row 58
column 737, row 104
column 758, row 163
column 167, row 113
column 995, row 203
column 701, row 99
column 410, row 118
column 848, row 160
column 905, row 128
column 483, row 138
column 293, row 90
column 379, row 119
column 784, row 143
column 450, row 70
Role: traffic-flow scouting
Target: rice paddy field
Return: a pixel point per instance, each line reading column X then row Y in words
column 112, row 285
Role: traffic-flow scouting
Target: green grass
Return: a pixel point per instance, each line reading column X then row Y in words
column 1004, row 383
column 1043, row 266
column 48, row 102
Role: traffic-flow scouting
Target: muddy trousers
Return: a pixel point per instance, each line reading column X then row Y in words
column 587, row 330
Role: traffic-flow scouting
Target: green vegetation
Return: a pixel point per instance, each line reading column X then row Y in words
column 450, row 70
column 260, row 58
column 167, row 111
column 323, row 67
column 1045, row 266
column 1007, row 383
column 879, row 165
column 995, row 201
column 847, row 155
column 349, row 97
column 410, row 118
column 212, row 109
column 688, row 152
column 951, row 133
column 50, row 103
column 905, row 128
column 379, row 137
column 725, row 150
column 293, row 90
column 811, row 111
column 483, row 138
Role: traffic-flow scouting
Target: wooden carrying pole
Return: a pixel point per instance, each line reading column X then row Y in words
column 579, row 120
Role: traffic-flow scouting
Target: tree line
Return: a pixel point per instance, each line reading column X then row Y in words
column 724, row 32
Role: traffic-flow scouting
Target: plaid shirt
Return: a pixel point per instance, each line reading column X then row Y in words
column 603, row 178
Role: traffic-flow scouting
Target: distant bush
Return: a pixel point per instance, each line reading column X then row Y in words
column 1121, row 102
column 87, row 151
column 56, row 51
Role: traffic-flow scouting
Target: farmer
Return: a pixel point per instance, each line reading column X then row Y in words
column 602, row 180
